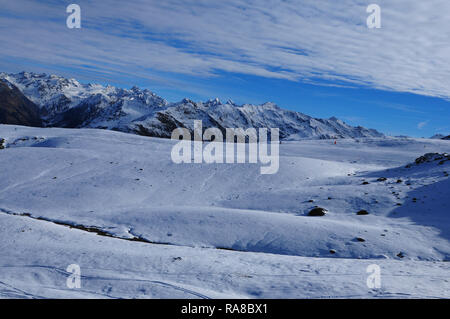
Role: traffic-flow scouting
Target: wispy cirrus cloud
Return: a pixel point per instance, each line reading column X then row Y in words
column 422, row 124
column 324, row 42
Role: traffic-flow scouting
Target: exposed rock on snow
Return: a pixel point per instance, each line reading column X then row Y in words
column 431, row 157
column 318, row 211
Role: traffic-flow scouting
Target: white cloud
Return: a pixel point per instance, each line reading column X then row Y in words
column 421, row 125
column 307, row 40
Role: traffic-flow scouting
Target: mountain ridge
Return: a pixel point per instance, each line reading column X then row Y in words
column 68, row 103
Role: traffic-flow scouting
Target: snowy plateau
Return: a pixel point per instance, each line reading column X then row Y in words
column 140, row 226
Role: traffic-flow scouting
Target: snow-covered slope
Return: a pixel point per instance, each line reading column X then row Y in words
column 114, row 268
column 166, row 225
column 68, row 103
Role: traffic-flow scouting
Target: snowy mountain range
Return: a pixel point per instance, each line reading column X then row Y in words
column 440, row 137
column 68, row 103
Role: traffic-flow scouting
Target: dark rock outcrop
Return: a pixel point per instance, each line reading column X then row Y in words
column 15, row 108
column 317, row 211
column 432, row 157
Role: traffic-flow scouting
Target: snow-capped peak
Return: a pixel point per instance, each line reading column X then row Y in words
column 69, row 103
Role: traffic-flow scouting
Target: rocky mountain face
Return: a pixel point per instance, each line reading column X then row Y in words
column 68, row 103
column 15, row 108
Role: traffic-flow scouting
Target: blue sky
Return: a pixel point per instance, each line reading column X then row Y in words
column 313, row 56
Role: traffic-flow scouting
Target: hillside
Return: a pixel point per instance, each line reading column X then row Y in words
column 15, row 108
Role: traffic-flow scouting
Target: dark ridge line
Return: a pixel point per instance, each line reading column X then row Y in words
column 89, row 229
column 100, row 232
